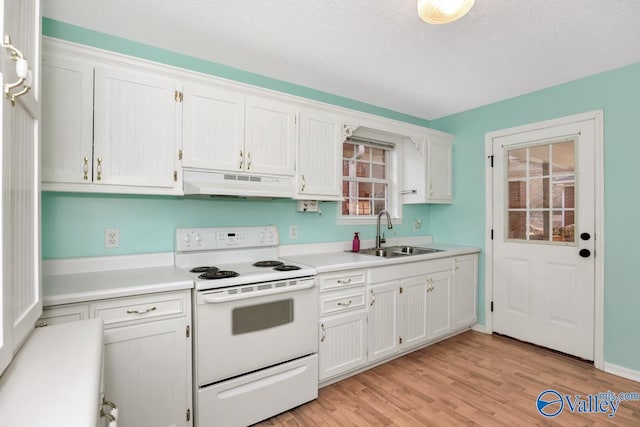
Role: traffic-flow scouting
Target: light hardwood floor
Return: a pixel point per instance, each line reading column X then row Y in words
column 471, row 379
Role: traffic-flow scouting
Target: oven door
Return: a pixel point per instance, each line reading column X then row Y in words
column 242, row 329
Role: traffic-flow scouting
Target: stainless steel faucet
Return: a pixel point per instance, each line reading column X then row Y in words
column 380, row 241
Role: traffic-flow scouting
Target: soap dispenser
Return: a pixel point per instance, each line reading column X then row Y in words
column 355, row 245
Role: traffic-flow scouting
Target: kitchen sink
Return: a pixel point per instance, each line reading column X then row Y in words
column 399, row 251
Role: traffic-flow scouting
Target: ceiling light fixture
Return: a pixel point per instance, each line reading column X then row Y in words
column 443, row 11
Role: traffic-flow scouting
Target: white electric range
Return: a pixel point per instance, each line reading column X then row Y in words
column 255, row 325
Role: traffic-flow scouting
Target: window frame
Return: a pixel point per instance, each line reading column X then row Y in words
column 394, row 154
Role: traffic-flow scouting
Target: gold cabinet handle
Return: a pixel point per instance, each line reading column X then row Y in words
column 141, row 311
column 430, row 190
column 345, row 304
column 373, row 297
column 304, row 184
column 99, row 169
column 457, row 265
column 324, row 333
column 85, row 175
column 241, row 160
column 344, row 281
column 42, row 325
column 248, row 160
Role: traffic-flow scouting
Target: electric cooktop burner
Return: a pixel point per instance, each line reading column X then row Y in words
column 203, row 269
column 267, row 263
column 287, row 267
column 217, row 274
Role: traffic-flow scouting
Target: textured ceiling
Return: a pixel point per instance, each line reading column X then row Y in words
column 379, row 51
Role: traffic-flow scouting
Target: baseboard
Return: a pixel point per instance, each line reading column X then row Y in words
column 479, row 328
column 622, row 372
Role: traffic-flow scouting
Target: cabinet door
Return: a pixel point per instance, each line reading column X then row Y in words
column 213, row 128
column 146, row 373
column 439, row 186
column 269, row 136
column 342, row 344
column 67, row 120
column 465, row 285
column 383, row 327
column 319, row 156
column 439, row 303
column 136, row 128
column 414, row 311
column 20, row 289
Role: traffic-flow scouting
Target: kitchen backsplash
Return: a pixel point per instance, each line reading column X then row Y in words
column 73, row 224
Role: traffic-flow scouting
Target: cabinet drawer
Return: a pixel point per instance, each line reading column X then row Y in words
column 338, row 302
column 140, row 308
column 342, row 279
column 57, row 315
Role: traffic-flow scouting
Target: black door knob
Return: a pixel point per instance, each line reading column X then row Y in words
column 585, row 253
column 585, row 236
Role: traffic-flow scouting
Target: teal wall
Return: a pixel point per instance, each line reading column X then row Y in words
column 616, row 92
column 73, row 224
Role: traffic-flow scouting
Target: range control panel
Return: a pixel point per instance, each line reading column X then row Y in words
column 215, row 238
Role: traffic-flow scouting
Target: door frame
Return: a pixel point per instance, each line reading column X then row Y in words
column 598, row 121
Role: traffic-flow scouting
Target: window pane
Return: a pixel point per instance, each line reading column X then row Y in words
column 564, row 192
column 364, row 207
column 348, row 168
column 380, row 191
column 348, row 150
column 539, row 160
column 538, row 193
column 348, row 207
column 362, row 170
column 517, row 195
column 517, row 225
column 378, row 155
column 539, row 225
column 379, row 205
column 378, row 171
column 563, row 226
column 517, row 163
column 564, row 157
column 365, row 189
column 363, row 153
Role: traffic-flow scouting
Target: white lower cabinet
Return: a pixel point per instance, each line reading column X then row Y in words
column 465, row 289
column 391, row 310
column 342, row 344
column 145, row 369
column 343, row 323
column 384, row 320
column 147, row 355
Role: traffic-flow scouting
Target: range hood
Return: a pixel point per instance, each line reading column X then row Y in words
column 231, row 184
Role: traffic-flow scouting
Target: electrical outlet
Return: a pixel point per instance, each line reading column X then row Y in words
column 111, row 238
column 293, row 231
column 417, row 224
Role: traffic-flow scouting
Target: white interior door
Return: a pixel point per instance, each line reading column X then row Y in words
column 543, row 247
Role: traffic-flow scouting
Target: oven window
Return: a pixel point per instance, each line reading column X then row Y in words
column 261, row 316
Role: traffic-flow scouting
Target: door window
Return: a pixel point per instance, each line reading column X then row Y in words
column 540, row 199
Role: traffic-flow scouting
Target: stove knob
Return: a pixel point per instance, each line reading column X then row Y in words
column 198, row 238
column 187, row 238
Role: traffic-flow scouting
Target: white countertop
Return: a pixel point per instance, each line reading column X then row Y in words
column 54, row 380
column 88, row 286
column 325, row 262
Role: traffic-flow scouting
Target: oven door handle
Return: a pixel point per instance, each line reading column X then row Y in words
column 221, row 297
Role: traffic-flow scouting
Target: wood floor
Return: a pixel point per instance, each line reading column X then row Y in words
column 472, row 379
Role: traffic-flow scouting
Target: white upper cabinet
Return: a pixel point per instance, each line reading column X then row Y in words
column 427, row 169
column 319, row 156
column 67, row 122
column 230, row 131
column 270, row 132
column 136, row 124
column 109, row 128
column 213, row 128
